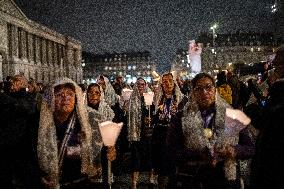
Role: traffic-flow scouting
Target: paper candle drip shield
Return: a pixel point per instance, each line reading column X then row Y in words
column 148, row 97
column 110, row 131
column 238, row 115
column 126, row 93
column 235, row 121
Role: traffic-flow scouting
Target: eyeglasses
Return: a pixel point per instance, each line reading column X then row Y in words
column 207, row 88
column 61, row 94
column 94, row 93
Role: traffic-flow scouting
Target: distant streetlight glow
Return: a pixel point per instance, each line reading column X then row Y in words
column 213, row 28
column 274, row 7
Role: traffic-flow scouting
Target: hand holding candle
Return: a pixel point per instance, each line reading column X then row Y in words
column 148, row 97
column 110, row 131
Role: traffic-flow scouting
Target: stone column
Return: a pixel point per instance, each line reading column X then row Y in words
column 49, row 52
column 55, row 55
column 37, row 50
column 23, row 44
column 69, row 60
column 14, row 42
column 60, row 55
column 43, row 51
column 30, row 47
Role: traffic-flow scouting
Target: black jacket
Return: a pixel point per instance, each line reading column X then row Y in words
column 268, row 162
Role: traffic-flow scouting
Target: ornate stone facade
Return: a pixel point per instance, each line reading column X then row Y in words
column 34, row 50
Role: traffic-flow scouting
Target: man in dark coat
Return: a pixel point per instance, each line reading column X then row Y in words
column 268, row 161
column 18, row 137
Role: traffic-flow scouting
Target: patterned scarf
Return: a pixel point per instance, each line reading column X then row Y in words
column 47, row 140
column 193, row 131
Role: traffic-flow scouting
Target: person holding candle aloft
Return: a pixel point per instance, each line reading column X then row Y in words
column 140, row 133
column 99, row 111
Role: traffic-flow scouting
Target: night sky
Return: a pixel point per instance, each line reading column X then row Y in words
column 158, row 26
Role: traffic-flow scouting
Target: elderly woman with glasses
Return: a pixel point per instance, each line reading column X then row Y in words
column 66, row 149
column 196, row 143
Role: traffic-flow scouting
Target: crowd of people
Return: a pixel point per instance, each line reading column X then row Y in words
column 50, row 138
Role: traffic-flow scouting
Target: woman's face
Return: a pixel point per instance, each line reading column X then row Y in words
column 102, row 83
column 204, row 93
column 94, row 95
column 141, row 86
column 64, row 100
column 168, row 84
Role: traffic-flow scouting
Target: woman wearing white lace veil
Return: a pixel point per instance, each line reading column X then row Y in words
column 99, row 111
column 140, row 133
column 66, row 148
column 168, row 101
column 110, row 96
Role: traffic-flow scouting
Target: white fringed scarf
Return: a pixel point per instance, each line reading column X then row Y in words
column 193, row 131
column 134, row 115
column 47, row 141
column 110, row 96
column 178, row 94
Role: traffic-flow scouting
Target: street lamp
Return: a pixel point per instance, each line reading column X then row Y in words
column 274, row 7
column 274, row 10
column 214, row 35
column 213, row 28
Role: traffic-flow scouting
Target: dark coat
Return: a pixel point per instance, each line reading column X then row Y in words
column 18, row 130
column 161, row 154
column 268, row 164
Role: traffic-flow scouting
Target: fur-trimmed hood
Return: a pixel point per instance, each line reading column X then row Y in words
column 47, row 141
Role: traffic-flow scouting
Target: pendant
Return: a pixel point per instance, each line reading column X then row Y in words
column 208, row 133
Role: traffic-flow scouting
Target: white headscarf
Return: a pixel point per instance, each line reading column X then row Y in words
column 109, row 94
column 47, row 148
